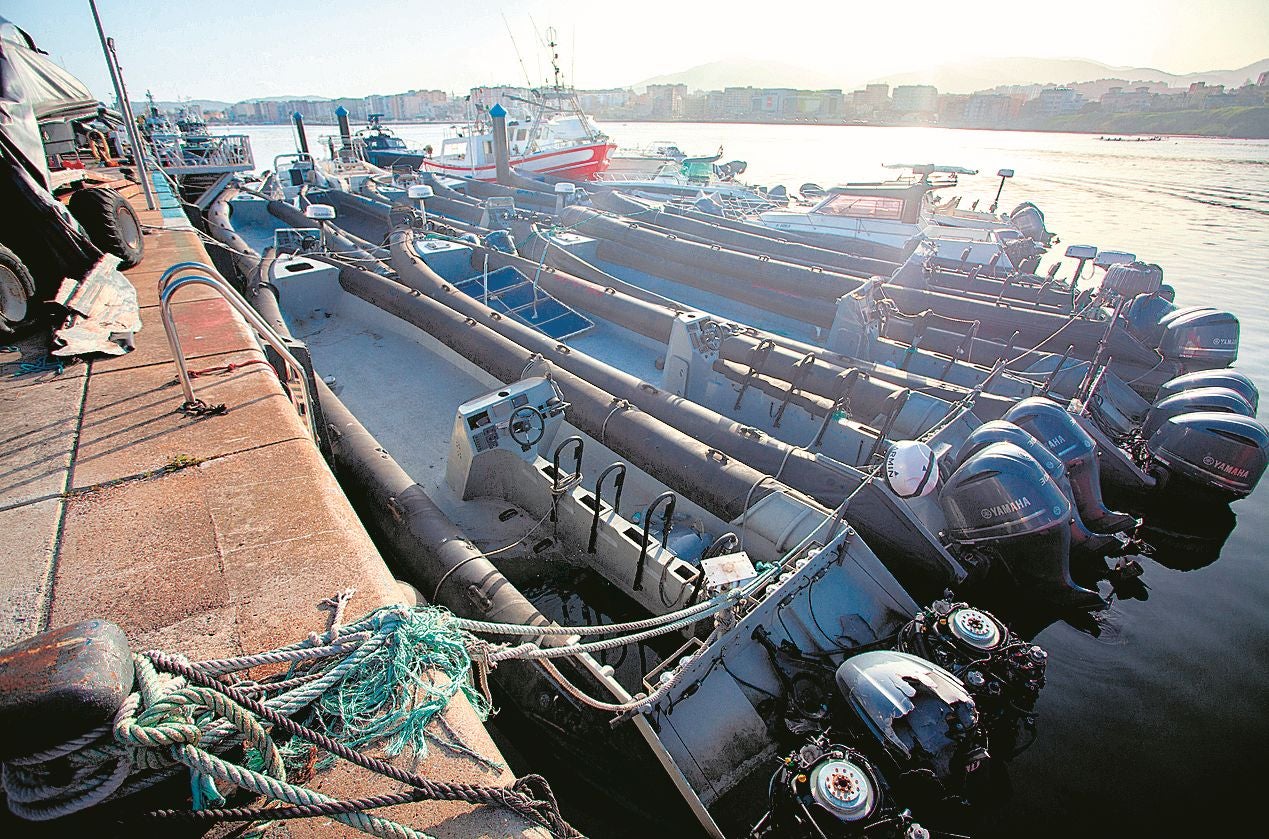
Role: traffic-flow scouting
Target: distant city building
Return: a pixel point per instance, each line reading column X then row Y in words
column 1055, row 101
column 510, row 97
column 737, row 101
column 916, row 98
column 665, row 101
column 1000, row 107
column 992, row 110
column 1118, row 100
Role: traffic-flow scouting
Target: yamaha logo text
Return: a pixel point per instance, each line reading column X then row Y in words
column 1014, row 506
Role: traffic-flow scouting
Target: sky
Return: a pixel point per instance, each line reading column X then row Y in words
column 240, row 49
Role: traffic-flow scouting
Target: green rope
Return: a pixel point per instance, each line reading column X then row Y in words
column 398, row 689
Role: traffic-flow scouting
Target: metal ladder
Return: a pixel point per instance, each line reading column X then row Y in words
column 170, row 284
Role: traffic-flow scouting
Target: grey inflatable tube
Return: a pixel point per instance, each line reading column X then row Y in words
column 684, row 445
column 759, row 269
column 704, row 231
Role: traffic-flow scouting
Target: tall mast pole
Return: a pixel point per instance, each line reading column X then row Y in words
column 125, row 108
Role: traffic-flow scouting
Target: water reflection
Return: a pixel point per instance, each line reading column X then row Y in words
column 1190, row 536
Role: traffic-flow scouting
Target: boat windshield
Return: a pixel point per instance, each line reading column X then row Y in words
column 862, row 206
column 698, row 168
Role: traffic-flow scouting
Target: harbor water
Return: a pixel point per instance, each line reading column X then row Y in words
column 1154, row 714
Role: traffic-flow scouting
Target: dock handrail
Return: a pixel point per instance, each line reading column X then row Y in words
column 170, row 283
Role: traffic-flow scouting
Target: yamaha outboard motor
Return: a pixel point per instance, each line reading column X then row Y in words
column 1000, row 431
column 1231, row 379
column 1001, row 502
column 825, row 789
column 1029, row 221
column 1144, row 314
column 1199, row 338
column 1211, row 399
column 1061, row 434
column 920, row 714
column 1223, row 455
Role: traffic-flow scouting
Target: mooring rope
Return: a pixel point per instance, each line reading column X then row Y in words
column 376, row 685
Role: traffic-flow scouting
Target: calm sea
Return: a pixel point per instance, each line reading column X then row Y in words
column 1156, row 713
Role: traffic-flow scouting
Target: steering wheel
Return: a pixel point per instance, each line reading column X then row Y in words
column 526, row 425
column 711, row 335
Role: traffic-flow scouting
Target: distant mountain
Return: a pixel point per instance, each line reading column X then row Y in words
column 741, row 73
column 969, row 76
column 951, row 77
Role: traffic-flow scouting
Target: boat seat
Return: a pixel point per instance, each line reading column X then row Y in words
column 499, row 280
column 512, row 293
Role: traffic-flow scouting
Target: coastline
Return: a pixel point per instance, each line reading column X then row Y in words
column 1248, row 123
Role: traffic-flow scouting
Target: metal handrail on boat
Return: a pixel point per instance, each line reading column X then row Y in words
column 170, row 284
column 214, row 153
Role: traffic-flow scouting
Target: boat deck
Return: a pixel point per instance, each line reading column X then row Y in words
column 405, row 386
column 212, row 536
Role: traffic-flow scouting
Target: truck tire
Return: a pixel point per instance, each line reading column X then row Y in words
column 16, row 289
column 110, row 222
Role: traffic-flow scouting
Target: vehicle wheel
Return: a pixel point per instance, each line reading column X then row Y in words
column 110, row 222
column 16, row 289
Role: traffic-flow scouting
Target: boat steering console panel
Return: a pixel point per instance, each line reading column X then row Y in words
column 520, row 419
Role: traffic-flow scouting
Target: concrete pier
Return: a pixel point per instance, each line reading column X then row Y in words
column 208, row 536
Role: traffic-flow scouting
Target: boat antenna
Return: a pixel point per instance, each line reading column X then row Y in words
column 516, row 47
column 541, row 43
column 555, row 56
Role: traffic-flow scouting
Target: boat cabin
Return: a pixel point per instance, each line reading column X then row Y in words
column 882, row 201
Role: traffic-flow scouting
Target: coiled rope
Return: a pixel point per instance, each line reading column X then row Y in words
column 374, row 681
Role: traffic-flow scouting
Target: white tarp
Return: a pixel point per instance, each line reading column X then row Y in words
column 103, row 312
column 32, row 88
column 47, row 88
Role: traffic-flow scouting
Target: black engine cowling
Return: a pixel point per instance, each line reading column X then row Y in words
column 1144, row 315
column 1231, row 379
column 1130, row 279
column 1199, row 338
column 1028, row 219
column 1210, row 399
column 1002, row 500
column 1002, row 431
column 1222, row 454
column 1048, row 422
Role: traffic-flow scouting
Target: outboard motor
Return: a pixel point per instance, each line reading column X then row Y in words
column 1221, row 454
column 1003, row 502
column 920, row 714
column 1002, row 672
column 1231, row 379
column 1029, row 221
column 1199, row 338
column 825, row 789
column 1130, row 280
column 1211, row 399
column 1000, row 431
column 1048, row 422
column 1144, row 314
column 501, row 240
column 1024, row 254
